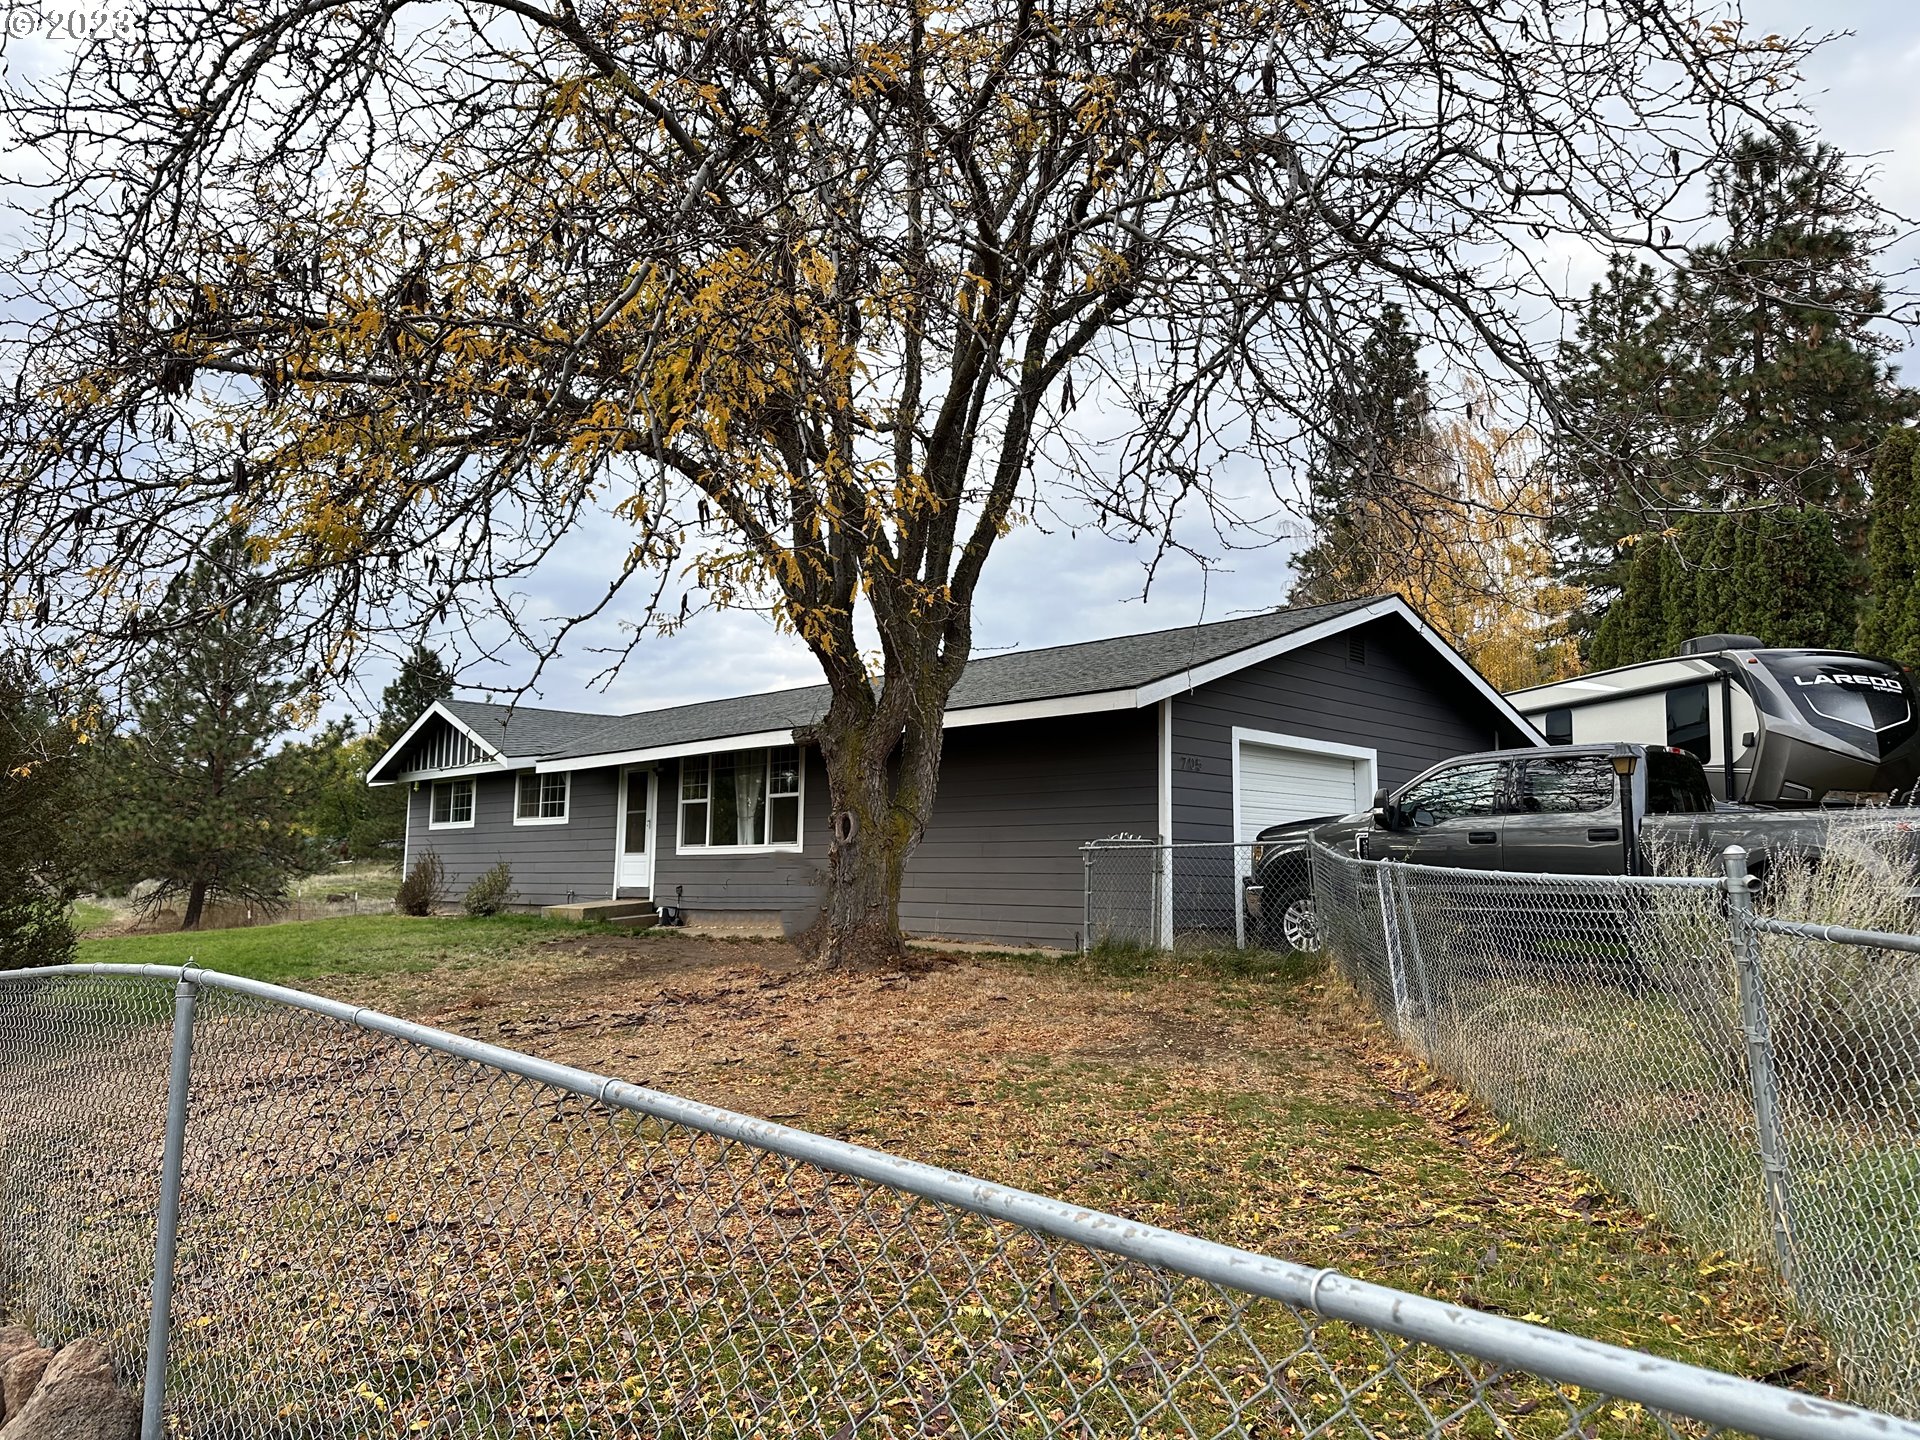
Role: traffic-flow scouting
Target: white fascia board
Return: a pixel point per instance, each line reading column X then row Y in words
column 1472, row 676
column 666, row 752
column 1200, row 675
column 1185, row 680
column 432, row 712
column 1088, row 704
column 503, row 765
column 953, row 720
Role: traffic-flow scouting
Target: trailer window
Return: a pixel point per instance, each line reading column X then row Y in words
column 1687, row 727
column 1676, row 785
column 1557, row 726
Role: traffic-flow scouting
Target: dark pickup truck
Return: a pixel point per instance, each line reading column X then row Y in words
column 1557, row 811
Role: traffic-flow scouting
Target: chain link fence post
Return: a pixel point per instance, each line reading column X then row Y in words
column 1162, row 927
column 1416, row 960
column 1391, row 932
column 1751, row 983
column 186, row 997
column 1086, row 899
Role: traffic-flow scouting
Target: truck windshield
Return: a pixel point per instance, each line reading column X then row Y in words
column 1867, row 703
column 1676, row 785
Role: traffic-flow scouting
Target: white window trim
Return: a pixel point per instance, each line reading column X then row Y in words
column 1367, row 778
column 473, row 810
column 566, row 805
column 680, row 847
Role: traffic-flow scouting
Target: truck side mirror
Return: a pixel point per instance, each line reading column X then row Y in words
column 1385, row 813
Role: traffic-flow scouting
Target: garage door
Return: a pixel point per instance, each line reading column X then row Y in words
column 1279, row 785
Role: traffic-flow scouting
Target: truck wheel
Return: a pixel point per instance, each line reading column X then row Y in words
column 1293, row 925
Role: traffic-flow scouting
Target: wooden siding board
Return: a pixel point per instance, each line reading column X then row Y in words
column 1403, row 701
column 548, row 861
column 1001, row 858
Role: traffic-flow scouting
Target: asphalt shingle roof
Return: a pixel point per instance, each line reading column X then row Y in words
column 1123, row 663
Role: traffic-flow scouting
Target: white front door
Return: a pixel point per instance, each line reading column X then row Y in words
column 635, row 831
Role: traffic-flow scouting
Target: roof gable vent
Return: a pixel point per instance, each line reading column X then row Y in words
column 1356, row 648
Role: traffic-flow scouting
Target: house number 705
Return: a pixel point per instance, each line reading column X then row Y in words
column 1189, row 762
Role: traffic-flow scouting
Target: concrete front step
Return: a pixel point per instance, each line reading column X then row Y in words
column 626, row 912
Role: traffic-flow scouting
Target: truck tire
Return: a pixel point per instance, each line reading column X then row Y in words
column 1290, row 925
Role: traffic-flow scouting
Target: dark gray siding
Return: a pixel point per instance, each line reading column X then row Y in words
column 548, row 861
column 712, row 883
column 1403, row 700
column 1001, row 859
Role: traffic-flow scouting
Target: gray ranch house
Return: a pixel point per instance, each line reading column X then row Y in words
column 1205, row 733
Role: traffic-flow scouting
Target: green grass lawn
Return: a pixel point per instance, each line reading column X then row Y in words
column 370, row 880
column 351, row 946
column 91, row 915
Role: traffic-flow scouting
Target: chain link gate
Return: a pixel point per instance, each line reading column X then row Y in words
column 1146, row 894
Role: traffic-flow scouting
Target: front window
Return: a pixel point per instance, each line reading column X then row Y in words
column 1569, row 785
column 1462, row 791
column 542, row 800
column 451, row 804
column 741, row 798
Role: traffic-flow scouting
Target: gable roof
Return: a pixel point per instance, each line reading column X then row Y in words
column 1123, row 673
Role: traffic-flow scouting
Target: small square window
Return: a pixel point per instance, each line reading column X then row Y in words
column 450, row 804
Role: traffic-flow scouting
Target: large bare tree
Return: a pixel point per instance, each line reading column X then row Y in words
column 805, row 294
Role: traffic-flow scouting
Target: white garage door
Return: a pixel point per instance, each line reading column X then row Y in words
column 1279, row 785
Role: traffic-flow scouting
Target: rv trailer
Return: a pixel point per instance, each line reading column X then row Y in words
column 1770, row 727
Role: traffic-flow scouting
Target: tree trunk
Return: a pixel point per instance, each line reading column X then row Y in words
column 881, row 776
column 196, row 903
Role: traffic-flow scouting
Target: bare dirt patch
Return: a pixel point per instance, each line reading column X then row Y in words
column 1259, row 1112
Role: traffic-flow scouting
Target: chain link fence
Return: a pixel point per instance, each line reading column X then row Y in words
column 332, row 1223
column 1144, row 894
column 1753, row 1079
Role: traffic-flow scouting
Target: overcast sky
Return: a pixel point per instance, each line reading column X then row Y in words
column 1048, row 589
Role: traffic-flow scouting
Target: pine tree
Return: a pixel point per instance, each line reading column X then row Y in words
column 1627, row 398
column 1373, row 479
column 1785, row 307
column 42, row 780
column 1716, row 604
column 1755, row 380
column 204, row 803
column 423, row 679
column 1893, row 561
column 1680, row 583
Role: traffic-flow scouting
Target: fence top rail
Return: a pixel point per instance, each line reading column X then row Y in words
column 1711, row 1396
column 1840, row 934
column 1524, row 877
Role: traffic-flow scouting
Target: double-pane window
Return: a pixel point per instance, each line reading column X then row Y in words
column 741, row 798
column 541, row 797
column 451, row 803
